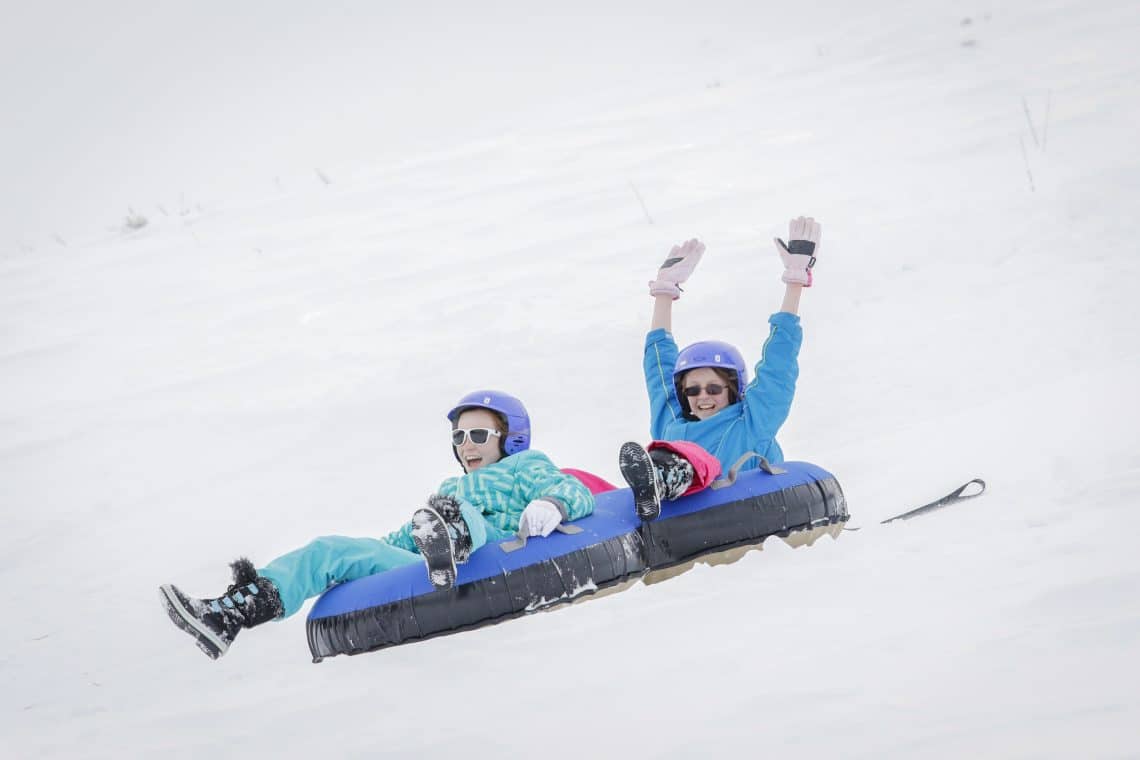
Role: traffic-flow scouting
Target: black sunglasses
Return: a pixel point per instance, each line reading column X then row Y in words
column 477, row 435
column 713, row 389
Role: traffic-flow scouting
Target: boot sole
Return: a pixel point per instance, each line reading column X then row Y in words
column 208, row 641
column 429, row 531
column 637, row 469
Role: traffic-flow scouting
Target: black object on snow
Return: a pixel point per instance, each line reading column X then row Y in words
column 955, row 496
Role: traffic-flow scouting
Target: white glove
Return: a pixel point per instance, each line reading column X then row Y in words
column 540, row 518
column 799, row 255
column 678, row 266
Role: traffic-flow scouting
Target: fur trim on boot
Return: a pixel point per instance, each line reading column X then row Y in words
column 243, row 571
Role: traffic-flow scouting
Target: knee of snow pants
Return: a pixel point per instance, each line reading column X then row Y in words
column 326, row 561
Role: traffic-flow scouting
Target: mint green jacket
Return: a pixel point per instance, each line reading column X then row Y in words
column 501, row 491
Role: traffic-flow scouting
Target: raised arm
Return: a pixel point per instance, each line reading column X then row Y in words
column 768, row 398
column 662, row 313
column 791, row 302
column 659, row 360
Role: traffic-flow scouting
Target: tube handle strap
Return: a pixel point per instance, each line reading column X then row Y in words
column 733, row 471
column 519, row 541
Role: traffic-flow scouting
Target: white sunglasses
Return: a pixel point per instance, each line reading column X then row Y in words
column 477, row 435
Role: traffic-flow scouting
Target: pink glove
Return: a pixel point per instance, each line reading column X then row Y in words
column 540, row 518
column 799, row 255
column 678, row 266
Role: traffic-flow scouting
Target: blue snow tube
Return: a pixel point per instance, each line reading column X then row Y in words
column 612, row 548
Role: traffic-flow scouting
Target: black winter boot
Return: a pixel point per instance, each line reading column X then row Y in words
column 429, row 531
column 214, row 623
column 448, row 509
column 638, row 470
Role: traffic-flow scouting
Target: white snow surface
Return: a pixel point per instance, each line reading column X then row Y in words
column 271, row 357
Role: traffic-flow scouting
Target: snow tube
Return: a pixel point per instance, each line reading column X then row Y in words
column 612, row 550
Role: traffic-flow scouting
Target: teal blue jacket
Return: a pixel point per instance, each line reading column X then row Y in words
column 748, row 425
column 501, row 491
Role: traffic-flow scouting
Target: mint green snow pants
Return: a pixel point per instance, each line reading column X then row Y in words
column 326, row 561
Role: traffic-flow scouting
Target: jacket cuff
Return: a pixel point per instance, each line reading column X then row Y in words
column 558, row 503
column 784, row 319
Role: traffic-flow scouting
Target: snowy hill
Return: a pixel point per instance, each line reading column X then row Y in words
column 353, row 219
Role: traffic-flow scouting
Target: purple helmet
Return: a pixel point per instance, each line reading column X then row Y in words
column 518, row 421
column 710, row 353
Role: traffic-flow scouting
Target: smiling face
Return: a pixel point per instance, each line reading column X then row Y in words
column 704, row 405
column 475, row 455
